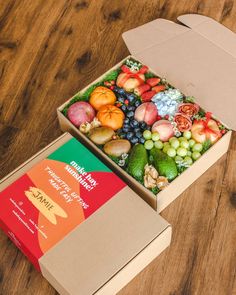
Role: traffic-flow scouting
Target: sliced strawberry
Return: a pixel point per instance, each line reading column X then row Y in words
column 141, row 89
column 153, row 81
column 159, row 88
column 147, row 96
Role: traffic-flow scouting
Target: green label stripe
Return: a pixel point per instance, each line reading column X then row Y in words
column 73, row 150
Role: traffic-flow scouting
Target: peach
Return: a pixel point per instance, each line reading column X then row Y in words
column 146, row 112
column 81, row 112
column 164, row 128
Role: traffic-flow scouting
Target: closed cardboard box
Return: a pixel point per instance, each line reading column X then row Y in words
column 77, row 222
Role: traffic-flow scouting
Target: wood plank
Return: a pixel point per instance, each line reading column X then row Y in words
column 51, row 49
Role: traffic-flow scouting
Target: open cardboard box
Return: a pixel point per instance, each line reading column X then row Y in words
column 93, row 250
column 193, row 58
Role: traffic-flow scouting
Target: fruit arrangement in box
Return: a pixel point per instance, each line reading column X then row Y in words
column 144, row 124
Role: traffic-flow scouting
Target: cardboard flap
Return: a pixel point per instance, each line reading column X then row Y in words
column 151, row 34
column 199, row 59
column 212, row 30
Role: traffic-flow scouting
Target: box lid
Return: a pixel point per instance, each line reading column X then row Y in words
column 198, row 57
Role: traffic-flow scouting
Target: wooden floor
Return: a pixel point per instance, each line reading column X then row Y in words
column 50, row 49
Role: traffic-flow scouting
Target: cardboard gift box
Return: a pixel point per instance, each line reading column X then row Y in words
column 78, row 222
column 194, row 57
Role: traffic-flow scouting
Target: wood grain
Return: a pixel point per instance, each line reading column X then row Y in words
column 50, row 49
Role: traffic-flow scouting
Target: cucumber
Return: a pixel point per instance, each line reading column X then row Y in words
column 137, row 160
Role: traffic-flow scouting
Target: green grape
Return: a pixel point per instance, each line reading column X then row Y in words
column 181, row 138
column 166, row 147
column 189, row 153
column 197, row 147
column 173, row 138
column 171, row 152
column 148, row 144
column 196, row 155
column 187, row 134
column 174, row 143
column 178, row 159
column 181, row 151
column 191, row 142
column 184, row 144
column 158, row 144
column 147, row 134
column 155, row 136
column 188, row 160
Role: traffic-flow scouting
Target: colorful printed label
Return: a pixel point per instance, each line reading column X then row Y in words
column 56, row 195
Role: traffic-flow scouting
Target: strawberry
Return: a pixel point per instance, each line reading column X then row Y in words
column 153, row 81
column 159, row 88
column 147, row 96
column 141, row 89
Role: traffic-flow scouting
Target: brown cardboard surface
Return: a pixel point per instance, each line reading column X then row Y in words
column 193, row 59
column 108, row 249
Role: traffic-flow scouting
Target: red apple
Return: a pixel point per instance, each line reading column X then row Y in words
column 146, row 112
column 81, row 112
column 164, row 128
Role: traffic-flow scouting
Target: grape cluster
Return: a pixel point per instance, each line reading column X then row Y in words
column 131, row 129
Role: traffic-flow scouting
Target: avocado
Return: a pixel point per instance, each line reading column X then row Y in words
column 164, row 164
column 137, row 160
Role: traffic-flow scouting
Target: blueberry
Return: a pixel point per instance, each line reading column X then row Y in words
column 143, row 125
column 141, row 140
column 123, row 135
column 130, row 135
column 124, row 108
column 130, row 114
column 126, row 129
column 119, row 90
column 148, row 127
column 139, row 134
column 131, row 97
column 137, row 129
column 137, row 103
column 126, row 121
column 134, row 140
column 134, row 123
column 121, row 99
column 130, row 108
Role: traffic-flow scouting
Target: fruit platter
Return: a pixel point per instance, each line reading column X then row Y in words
column 146, row 126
